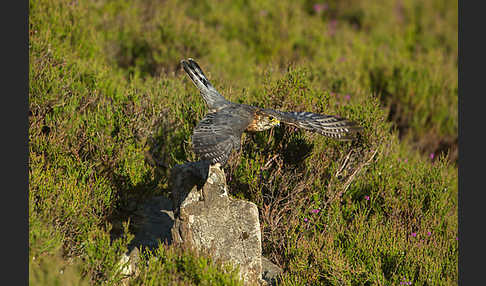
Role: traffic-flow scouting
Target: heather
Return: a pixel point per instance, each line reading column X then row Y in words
column 111, row 112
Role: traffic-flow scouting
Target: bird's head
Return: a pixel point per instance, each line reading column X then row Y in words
column 273, row 121
column 265, row 122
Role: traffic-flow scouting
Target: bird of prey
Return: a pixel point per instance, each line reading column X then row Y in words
column 220, row 131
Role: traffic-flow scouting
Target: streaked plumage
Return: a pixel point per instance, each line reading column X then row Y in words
column 219, row 132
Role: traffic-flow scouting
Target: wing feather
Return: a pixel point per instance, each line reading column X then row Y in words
column 217, row 134
column 327, row 125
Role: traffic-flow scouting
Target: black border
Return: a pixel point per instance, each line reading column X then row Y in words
column 15, row 188
column 471, row 126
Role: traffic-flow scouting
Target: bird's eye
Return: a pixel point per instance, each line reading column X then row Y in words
column 271, row 118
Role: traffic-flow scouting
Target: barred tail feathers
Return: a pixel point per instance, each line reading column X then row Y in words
column 212, row 97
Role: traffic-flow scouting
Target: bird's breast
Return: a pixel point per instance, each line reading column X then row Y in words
column 256, row 124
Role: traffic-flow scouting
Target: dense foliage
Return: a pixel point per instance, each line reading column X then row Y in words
column 111, row 111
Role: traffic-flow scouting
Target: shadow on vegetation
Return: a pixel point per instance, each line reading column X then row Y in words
column 295, row 151
column 140, row 57
column 400, row 116
column 389, row 264
column 275, row 146
column 146, row 199
column 153, row 220
column 153, row 225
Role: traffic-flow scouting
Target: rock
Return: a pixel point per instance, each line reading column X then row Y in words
column 154, row 223
column 202, row 216
column 270, row 272
column 132, row 258
column 207, row 220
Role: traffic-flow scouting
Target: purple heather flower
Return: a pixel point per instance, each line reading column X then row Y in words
column 367, row 198
column 347, row 96
column 315, row 211
column 431, row 156
column 405, row 160
column 305, row 219
column 429, row 233
column 332, row 26
column 414, row 234
column 341, row 59
column 320, row 7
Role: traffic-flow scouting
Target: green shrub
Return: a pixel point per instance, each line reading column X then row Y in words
column 111, row 111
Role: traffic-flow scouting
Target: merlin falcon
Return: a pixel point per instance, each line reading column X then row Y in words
column 220, row 131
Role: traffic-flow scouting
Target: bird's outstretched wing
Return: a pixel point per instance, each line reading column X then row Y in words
column 212, row 97
column 327, row 125
column 217, row 134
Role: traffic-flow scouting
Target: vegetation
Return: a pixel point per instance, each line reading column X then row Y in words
column 111, row 112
